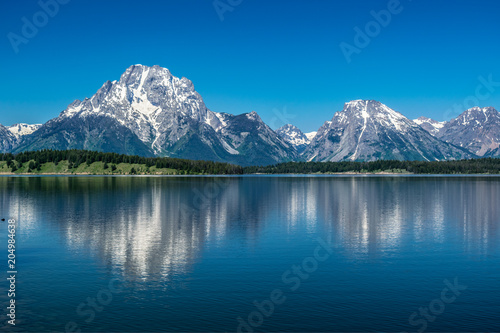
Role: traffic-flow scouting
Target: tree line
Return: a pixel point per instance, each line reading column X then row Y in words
column 472, row 166
column 35, row 159
column 75, row 158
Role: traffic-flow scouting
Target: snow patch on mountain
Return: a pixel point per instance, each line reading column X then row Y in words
column 22, row 129
column 430, row 125
column 310, row 135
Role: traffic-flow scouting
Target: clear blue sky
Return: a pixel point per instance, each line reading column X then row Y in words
column 279, row 58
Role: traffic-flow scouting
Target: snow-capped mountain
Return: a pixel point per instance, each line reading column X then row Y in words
column 310, row 136
column 151, row 112
column 155, row 105
column 249, row 136
column 368, row 130
column 11, row 136
column 21, row 129
column 294, row 136
column 477, row 130
column 430, row 125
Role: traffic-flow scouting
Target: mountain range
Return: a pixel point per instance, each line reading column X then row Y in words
column 150, row 112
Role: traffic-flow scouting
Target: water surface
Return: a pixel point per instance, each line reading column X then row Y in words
column 203, row 254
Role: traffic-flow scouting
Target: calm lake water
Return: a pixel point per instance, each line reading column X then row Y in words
column 256, row 253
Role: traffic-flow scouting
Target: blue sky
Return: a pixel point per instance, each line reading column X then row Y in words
column 280, row 58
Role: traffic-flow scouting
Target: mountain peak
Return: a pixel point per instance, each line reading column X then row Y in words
column 430, row 125
column 294, row 136
column 476, row 129
column 151, row 112
column 362, row 103
column 369, row 106
column 369, row 130
column 477, row 114
column 22, row 129
column 144, row 90
column 253, row 116
column 358, row 103
column 138, row 73
column 371, row 111
column 422, row 119
column 288, row 127
column 477, row 109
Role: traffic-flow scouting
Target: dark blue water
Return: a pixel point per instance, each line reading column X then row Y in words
column 298, row 254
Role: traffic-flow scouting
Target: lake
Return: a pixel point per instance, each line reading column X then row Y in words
column 253, row 253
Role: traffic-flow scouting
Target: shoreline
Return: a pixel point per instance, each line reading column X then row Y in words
column 384, row 173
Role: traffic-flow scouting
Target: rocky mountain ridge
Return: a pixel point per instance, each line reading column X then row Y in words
column 150, row 112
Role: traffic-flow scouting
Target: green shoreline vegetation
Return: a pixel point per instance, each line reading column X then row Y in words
column 83, row 162
column 473, row 166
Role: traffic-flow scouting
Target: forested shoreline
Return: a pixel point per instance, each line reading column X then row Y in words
column 472, row 166
column 93, row 162
column 99, row 163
